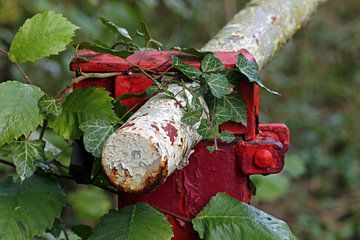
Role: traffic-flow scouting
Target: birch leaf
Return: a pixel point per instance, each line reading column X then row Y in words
column 42, row 35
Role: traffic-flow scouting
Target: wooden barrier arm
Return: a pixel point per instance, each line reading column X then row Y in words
column 263, row 27
column 154, row 142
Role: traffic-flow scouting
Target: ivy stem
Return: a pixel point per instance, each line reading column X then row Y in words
column 43, row 129
column 27, row 79
column 8, row 163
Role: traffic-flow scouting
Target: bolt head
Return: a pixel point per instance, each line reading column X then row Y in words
column 263, row 158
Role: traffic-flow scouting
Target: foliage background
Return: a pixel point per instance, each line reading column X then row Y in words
column 317, row 73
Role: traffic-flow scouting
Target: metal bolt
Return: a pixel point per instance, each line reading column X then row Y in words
column 263, row 158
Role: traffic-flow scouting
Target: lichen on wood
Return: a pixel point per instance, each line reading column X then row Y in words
column 263, row 27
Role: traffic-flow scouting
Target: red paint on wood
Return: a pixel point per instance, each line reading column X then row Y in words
column 170, row 131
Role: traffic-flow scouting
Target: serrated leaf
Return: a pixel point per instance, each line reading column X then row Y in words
column 96, row 132
column 136, row 222
column 218, row 84
column 103, row 49
column 80, row 106
column 49, row 105
column 189, row 71
column 28, row 209
column 227, row 136
column 20, row 112
column 251, row 70
column 230, row 108
column 227, row 218
column 210, row 63
column 26, row 155
column 121, row 32
column 204, row 130
column 42, row 35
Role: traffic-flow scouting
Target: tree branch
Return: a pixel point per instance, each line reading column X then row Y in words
column 27, row 79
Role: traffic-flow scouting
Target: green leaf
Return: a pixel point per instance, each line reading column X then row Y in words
column 104, row 49
column 96, row 132
column 42, row 35
column 189, row 71
column 80, row 106
column 143, row 31
column 26, row 155
column 20, row 113
column 251, row 70
column 28, row 209
column 121, row 32
column 227, row 136
column 210, row 63
column 136, row 222
column 211, row 149
column 218, row 84
column 49, row 105
column 230, row 108
column 226, row 218
column 192, row 117
column 270, row 187
column 204, row 130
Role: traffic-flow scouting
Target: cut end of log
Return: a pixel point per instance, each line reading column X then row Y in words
column 138, row 170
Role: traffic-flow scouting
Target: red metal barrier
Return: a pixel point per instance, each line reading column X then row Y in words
column 257, row 149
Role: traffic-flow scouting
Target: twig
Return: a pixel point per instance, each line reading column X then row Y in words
column 27, row 79
column 43, row 129
column 187, row 220
column 3, row 161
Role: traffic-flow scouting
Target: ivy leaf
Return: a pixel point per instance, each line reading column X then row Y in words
column 96, row 132
column 26, row 155
column 29, row 208
column 230, row 108
column 251, row 70
column 218, row 84
column 42, row 35
column 211, row 148
column 20, row 112
column 143, row 31
column 121, row 32
column 136, row 222
column 80, row 106
column 227, row 218
column 227, row 136
column 210, row 63
column 204, row 130
column 104, row 49
column 191, row 117
column 189, row 71
column 49, row 105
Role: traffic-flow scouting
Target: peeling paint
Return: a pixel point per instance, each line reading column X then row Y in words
column 151, row 144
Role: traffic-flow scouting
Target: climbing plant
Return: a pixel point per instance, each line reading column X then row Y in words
column 32, row 202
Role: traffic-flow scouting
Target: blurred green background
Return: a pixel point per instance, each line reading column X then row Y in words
column 317, row 74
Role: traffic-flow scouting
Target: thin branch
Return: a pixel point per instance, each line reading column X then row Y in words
column 43, row 129
column 27, row 79
column 187, row 220
column 8, row 163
